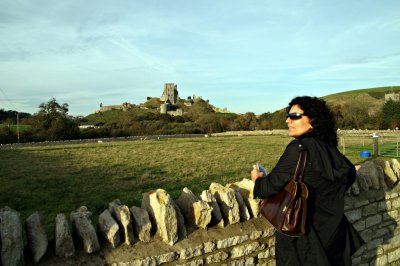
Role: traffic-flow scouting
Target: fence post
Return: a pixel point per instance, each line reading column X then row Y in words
column 375, row 138
column 343, row 144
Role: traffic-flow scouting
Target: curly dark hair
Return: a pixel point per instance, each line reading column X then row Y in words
column 321, row 117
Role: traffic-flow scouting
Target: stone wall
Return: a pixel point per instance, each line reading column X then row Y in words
column 219, row 227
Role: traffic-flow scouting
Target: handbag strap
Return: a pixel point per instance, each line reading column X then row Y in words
column 298, row 175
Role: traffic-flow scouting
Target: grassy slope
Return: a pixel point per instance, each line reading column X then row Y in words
column 374, row 98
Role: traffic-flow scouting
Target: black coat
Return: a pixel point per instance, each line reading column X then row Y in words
column 330, row 238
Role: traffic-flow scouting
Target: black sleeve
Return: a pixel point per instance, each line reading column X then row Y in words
column 283, row 171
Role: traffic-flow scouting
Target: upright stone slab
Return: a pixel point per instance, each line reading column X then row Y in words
column 390, row 176
column 195, row 211
column 160, row 207
column 246, row 187
column 109, row 229
column 142, row 223
column 182, row 233
column 122, row 215
column 37, row 237
column 394, row 163
column 244, row 212
column 12, row 243
column 370, row 173
column 227, row 202
column 82, row 225
column 216, row 216
column 64, row 243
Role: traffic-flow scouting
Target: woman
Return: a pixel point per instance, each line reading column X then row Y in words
column 330, row 238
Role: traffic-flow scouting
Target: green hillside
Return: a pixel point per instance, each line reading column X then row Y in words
column 372, row 98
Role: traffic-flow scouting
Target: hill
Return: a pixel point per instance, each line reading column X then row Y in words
column 372, row 98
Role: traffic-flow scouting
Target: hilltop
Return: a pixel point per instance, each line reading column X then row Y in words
column 372, row 98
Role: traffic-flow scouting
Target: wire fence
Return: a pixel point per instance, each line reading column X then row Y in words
column 389, row 146
column 385, row 144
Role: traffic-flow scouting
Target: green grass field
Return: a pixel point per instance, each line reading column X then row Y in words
column 54, row 179
column 14, row 127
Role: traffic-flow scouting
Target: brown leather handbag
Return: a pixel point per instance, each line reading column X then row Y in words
column 287, row 210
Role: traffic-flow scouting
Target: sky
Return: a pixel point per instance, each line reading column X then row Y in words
column 245, row 55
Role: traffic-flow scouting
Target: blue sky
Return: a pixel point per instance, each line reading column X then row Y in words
column 247, row 56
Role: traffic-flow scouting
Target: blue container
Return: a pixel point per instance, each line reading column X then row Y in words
column 365, row 154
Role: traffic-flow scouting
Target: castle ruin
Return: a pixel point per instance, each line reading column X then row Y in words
column 170, row 93
column 394, row 96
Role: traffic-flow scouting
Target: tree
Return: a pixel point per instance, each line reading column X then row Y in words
column 247, row 121
column 391, row 115
column 53, row 123
column 265, row 121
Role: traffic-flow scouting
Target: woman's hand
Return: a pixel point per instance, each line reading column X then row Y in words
column 255, row 174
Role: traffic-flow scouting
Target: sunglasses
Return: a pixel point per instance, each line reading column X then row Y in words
column 294, row 116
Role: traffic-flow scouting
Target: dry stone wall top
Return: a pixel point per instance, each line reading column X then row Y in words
column 221, row 226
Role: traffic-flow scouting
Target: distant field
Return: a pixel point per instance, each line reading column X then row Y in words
column 56, row 179
column 14, row 127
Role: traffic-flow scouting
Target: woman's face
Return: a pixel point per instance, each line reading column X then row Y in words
column 297, row 126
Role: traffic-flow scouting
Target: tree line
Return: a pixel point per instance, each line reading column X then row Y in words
column 52, row 122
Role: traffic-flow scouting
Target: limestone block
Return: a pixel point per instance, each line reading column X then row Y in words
column 12, row 243
column 244, row 250
column 82, row 225
column 197, row 262
column 394, row 256
column 161, row 209
column 360, row 179
column 64, row 243
column 231, row 241
column 243, row 211
column 227, row 202
column 216, row 216
column 354, row 215
column 182, row 233
column 246, row 187
column 382, row 181
column 166, row 257
column 109, row 229
column 355, row 189
column 191, row 252
column 37, row 237
column 395, row 164
column 142, row 223
column 390, row 177
column 217, row 257
column 122, row 215
column 148, row 261
column 373, row 220
column 195, row 211
column 370, row 173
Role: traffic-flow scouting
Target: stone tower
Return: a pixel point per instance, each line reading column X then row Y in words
column 170, row 93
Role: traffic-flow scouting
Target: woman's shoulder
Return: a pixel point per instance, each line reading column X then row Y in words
column 297, row 144
column 311, row 143
column 294, row 147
